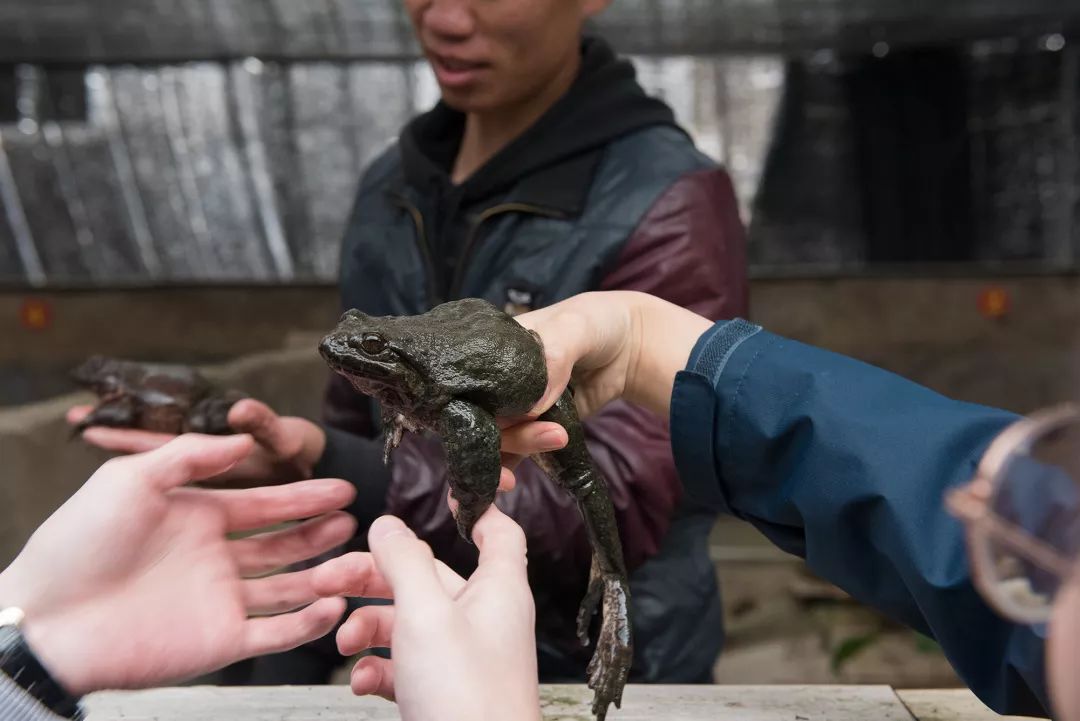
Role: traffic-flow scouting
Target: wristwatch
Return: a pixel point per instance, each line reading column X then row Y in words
column 19, row 664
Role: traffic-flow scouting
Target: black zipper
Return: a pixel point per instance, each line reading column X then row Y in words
column 421, row 242
column 493, row 211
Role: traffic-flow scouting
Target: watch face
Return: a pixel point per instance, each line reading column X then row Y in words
column 11, row 617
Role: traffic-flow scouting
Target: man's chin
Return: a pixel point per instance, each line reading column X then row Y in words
column 467, row 101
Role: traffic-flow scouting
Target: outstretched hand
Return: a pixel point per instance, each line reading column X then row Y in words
column 462, row 649
column 286, row 447
column 135, row 582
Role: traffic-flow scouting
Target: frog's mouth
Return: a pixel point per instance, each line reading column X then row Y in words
column 365, row 373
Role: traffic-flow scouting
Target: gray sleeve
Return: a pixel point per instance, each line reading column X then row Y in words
column 17, row 705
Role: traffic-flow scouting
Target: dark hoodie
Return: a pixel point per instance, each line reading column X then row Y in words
column 604, row 103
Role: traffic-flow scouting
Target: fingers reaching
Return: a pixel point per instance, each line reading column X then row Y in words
column 270, row 551
column 367, row 627
column 405, row 562
column 265, row 426
column 277, row 634
column 279, row 594
column 254, row 508
column 120, row 440
column 501, row 543
column 76, row 413
column 190, row 458
column 357, row 575
column 373, row 676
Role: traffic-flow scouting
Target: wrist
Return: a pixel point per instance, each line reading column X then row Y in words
column 663, row 335
column 58, row 653
column 40, row 633
column 23, row 666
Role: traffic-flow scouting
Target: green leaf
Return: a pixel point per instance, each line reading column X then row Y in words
column 926, row 645
column 851, row 647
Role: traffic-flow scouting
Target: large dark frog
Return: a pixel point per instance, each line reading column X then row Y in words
column 452, row 371
column 153, row 397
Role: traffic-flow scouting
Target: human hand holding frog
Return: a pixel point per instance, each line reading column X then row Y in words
column 286, row 447
column 613, row 345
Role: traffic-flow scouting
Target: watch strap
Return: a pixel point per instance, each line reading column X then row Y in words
column 18, row 663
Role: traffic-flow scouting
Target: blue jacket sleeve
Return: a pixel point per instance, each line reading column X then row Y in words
column 846, row 465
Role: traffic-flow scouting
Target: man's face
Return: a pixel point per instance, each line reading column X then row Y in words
column 492, row 54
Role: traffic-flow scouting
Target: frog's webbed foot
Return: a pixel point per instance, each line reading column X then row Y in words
column 590, row 604
column 471, row 438
column 395, row 425
column 610, row 664
column 113, row 413
column 211, row 415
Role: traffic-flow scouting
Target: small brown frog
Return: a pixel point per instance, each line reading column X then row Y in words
column 453, row 371
column 153, row 397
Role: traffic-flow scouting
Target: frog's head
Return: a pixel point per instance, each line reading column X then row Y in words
column 96, row 373
column 373, row 353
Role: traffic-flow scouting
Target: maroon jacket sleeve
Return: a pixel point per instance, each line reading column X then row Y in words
column 689, row 249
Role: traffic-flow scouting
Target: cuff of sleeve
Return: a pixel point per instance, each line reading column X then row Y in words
column 359, row 461
column 695, row 412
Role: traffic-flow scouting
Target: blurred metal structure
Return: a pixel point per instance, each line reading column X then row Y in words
column 85, row 31
column 218, row 141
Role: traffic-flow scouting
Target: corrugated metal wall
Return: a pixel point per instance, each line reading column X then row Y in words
column 222, row 140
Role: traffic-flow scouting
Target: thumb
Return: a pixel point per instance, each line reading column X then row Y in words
column 501, row 543
column 264, row 425
column 561, row 335
column 405, row 561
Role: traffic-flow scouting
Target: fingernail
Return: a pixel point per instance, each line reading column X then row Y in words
column 552, row 440
column 388, row 527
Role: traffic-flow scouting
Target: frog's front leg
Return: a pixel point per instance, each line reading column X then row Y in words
column 573, row 469
column 118, row 412
column 471, row 438
column 211, row 414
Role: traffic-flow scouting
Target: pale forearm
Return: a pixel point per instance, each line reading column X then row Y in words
column 664, row 335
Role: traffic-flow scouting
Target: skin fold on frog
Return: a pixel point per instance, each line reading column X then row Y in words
column 153, row 397
column 454, row 370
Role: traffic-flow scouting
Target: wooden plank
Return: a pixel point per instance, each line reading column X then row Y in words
column 949, row 705
column 560, row 703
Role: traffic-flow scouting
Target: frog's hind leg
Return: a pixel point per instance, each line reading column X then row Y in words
column 471, row 438
column 573, row 469
column 116, row 412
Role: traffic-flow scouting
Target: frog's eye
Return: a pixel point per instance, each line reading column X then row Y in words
column 373, row 344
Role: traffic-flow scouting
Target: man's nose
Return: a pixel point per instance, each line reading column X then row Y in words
column 449, row 19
